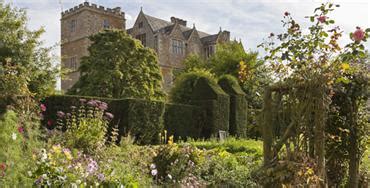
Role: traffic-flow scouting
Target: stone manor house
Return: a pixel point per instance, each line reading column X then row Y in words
column 172, row 40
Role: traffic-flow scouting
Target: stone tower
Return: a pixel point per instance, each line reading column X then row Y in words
column 77, row 24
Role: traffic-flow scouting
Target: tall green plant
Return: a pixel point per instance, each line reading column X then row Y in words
column 23, row 62
column 120, row 67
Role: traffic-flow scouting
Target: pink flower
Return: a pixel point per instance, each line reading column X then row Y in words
column 358, row 35
column 20, row 130
column 2, row 166
column 43, row 107
column 322, row 19
column 50, row 122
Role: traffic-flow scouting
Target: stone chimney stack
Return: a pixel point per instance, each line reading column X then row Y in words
column 178, row 20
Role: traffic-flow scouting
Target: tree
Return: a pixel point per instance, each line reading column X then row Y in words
column 227, row 60
column 119, row 67
column 25, row 66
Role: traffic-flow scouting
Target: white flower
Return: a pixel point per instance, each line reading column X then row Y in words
column 169, row 176
column 152, row 166
column 14, row 136
column 29, row 173
column 44, row 176
column 78, row 182
column 154, row 172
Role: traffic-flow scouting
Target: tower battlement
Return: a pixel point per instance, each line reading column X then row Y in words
column 115, row 11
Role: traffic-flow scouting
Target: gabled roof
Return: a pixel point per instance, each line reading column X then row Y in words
column 157, row 24
column 209, row 39
column 187, row 33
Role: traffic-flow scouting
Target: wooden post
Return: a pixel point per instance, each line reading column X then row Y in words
column 319, row 132
column 267, row 134
column 354, row 159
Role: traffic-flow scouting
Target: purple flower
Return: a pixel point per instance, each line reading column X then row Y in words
column 73, row 107
column 92, row 166
column 82, row 100
column 60, row 114
column 101, row 177
column 92, row 103
column 108, row 115
column 68, row 114
column 103, row 106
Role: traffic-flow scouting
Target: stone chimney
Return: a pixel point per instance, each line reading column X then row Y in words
column 178, row 20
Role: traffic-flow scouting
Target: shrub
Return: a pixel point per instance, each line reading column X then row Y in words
column 86, row 126
column 182, row 91
column 176, row 164
column 140, row 118
column 238, row 105
column 184, row 121
column 18, row 139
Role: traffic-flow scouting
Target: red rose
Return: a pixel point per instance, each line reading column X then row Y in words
column 322, row 19
column 20, row 130
column 43, row 107
column 50, row 122
column 358, row 35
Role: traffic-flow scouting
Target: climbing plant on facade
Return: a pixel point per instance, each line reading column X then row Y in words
column 308, row 68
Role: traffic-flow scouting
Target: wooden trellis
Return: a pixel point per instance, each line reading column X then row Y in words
column 293, row 118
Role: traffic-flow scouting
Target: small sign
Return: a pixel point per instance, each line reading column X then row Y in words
column 222, row 135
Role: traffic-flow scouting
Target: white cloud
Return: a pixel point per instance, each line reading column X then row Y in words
column 249, row 20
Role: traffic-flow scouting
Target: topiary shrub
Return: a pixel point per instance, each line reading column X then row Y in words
column 145, row 120
column 183, row 88
column 238, row 105
column 184, row 121
column 200, row 88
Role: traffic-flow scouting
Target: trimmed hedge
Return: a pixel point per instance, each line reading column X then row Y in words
column 184, row 121
column 238, row 105
column 216, row 103
column 140, row 118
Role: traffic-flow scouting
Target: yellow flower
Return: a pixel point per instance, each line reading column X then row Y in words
column 309, row 171
column 68, row 155
column 57, row 149
column 345, row 66
column 170, row 140
column 224, row 154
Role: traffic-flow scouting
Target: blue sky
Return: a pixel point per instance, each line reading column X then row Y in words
column 248, row 20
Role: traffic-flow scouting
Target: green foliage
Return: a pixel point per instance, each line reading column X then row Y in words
column 200, row 88
column 176, row 164
column 320, row 88
column 24, row 65
column 145, row 120
column 18, row 139
column 139, row 118
column 185, row 84
column 184, row 121
column 113, row 166
column 226, row 60
column 238, row 105
column 227, row 57
column 209, row 163
column 119, row 67
column 86, row 125
column 231, row 145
